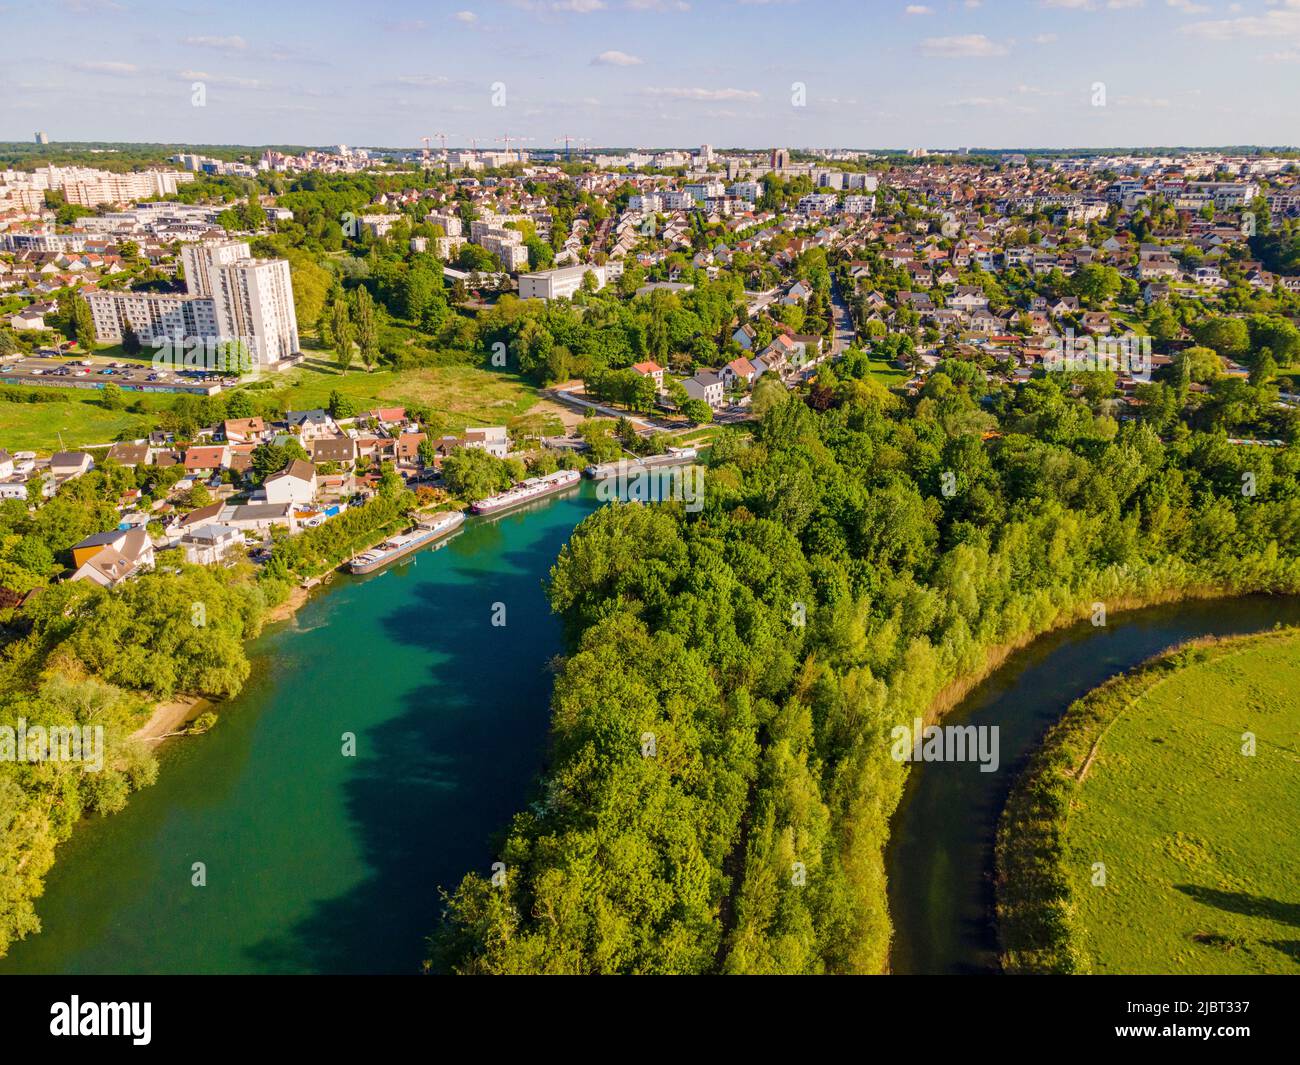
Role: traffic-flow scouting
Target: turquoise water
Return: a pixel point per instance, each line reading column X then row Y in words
column 317, row 862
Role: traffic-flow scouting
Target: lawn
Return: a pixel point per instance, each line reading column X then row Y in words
column 80, row 422
column 1199, row 841
column 463, row 395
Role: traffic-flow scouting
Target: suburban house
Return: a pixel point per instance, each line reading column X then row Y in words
column 745, row 337
column 493, row 439
column 407, row 447
column 205, row 461
column 738, row 371
column 311, row 423
column 968, row 298
column 705, row 386
column 65, row 465
column 260, row 517
column 209, row 544
column 196, row 519
column 127, row 454
column 111, row 564
column 92, row 545
column 652, row 370
column 244, row 430
column 296, row 483
column 341, row 450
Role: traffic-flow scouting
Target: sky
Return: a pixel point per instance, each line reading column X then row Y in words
column 656, row 73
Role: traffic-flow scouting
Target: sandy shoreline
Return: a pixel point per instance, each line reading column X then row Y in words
column 169, row 717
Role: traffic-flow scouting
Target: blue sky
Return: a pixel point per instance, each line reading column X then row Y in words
column 875, row 73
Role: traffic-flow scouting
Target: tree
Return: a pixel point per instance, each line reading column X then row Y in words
column 472, row 474
column 340, row 406
column 130, row 340
column 697, row 411
column 111, row 397
column 363, row 312
column 769, row 392
column 240, row 405
column 341, row 328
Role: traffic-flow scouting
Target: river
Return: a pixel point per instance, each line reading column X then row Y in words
column 321, row 863
column 316, row 862
column 940, row 859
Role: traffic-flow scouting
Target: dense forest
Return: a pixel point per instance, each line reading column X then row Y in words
column 720, row 787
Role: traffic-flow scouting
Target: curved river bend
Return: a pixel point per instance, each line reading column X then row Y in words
column 317, row 862
column 940, row 859
column 320, row 863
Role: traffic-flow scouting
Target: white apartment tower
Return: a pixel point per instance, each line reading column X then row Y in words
column 229, row 296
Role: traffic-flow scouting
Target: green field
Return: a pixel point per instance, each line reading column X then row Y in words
column 461, row 395
column 1199, row 841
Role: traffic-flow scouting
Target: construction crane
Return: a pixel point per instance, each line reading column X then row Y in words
column 566, row 140
column 424, row 155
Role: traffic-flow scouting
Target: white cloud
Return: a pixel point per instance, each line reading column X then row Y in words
column 580, row 7
column 227, row 80
column 1280, row 22
column 467, row 17
column 615, row 58
column 918, row 9
column 966, row 46
column 106, row 66
column 1188, row 7
column 1045, row 38
column 226, row 44
column 424, row 81
column 706, row 94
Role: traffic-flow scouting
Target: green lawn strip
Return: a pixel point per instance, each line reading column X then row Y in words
column 1200, row 863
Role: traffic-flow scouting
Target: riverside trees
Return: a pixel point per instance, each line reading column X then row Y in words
column 721, row 784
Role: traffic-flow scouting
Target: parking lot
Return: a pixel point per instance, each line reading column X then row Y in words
column 51, row 370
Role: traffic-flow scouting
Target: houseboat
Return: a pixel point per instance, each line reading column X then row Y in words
column 404, row 544
column 673, row 457
column 527, row 491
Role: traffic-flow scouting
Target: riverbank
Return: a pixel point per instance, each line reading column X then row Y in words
column 168, row 716
column 320, row 860
column 1053, row 911
column 939, row 855
column 171, row 715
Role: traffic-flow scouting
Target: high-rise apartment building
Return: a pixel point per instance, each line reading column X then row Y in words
column 229, row 296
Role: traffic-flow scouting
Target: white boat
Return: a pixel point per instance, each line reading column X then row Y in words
column 403, row 544
column 527, row 491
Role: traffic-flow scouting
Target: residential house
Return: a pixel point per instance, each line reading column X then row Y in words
column 494, row 439
column 738, row 372
column 706, row 386
column 340, row 450
column 296, row 483
column 244, row 430
column 311, row 423
column 112, row 564
column 128, row 454
column 67, row 465
column 205, row 461
column 652, row 370
column 210, row 544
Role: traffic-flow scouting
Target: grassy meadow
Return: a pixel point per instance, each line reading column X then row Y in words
column 1202, row 859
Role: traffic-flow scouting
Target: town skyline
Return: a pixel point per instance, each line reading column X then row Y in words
column 1046, row 74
